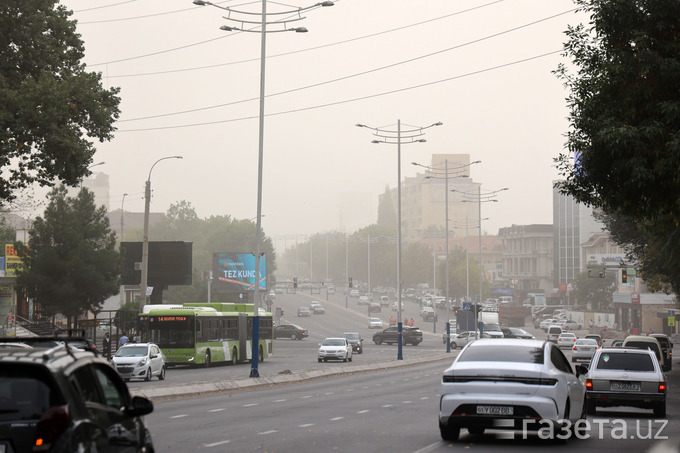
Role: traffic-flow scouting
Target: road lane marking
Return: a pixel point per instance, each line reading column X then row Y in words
column 279, row 401
column 306, row 396
column 272, row 431
column 336, row 419
column 363, row 412
column 387, row 405
column 217, row 444
column 306, row 425
column 217, row 410
column 250, row 405
column 180, row 416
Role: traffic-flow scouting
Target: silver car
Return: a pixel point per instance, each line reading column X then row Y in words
column 583, row 349
column 335, row 349
column 139, row 361
column 509, row 384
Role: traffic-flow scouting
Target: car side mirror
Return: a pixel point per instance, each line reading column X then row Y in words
column 153, row 356
column 581, row 370
column 140, row 406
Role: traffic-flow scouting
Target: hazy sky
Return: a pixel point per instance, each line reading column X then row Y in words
column 481, row 67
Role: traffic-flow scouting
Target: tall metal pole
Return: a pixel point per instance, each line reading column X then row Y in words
column 346, row 271
column 254, row 372
column 479, row 196
column 122, row 219
column 400, row 355
column 145, row 244
column 369, row 263
column 446, row 225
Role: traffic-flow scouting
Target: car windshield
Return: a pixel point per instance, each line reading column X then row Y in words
column 492, row 328
column 501, row 353
column 518, row 331
column 132, row 351
column 663, row 341
column 375, row 319
column 586, row 341
column 351, row 336
column 333, row 342
column 625, row 361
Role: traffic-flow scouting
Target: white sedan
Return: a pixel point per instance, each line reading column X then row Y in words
column 509, row 384
column 335, row 349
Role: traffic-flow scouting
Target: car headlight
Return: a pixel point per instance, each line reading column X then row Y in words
column 142, row 362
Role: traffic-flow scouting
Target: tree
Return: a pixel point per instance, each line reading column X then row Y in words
column 624, row 142
column 596, row 292
column 51, row 105
column 71, row 264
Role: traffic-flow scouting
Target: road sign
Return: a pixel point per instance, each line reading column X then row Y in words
column 671, row 313
column 467, row 306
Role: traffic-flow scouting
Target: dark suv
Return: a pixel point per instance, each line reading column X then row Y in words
column 666, row 349
column 60, row 399
column 411, row 335
column 355, row 340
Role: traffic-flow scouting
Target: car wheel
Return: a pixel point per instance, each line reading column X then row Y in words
column 161, row 377
column 319, row 360
column 293, row 336
column 449, row 432
column 148, row 374
column 378, row 341
column 660, row 409
column 325, row 360
column 350, row 358
column 476, row 430
column 360, row 351
column 207, row 358
column 453, row 345
column 591, row 407
column 344, row 359
column 260, row 354
column 234, row 356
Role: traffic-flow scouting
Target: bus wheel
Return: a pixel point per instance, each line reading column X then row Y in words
column 234, row 359
column 207, row 358
column 261, row 355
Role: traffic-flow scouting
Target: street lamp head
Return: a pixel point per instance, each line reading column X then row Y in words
column 422, row 140
column 375, row 141
column 299, row 30
column 360, row 125
column 199, row 2
column 476, row 162
column 327, row 3
column 228, row 28
column 438, row 123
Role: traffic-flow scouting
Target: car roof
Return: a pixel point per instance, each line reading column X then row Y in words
column 509, row 341
column 641, row 338
column 626, row 350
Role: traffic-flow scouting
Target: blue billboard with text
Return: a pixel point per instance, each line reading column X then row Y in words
column 235, row 272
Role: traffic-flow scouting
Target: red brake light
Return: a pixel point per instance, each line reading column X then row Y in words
column 589, row 384
column 574, row 348
column 662, row 387
column 52, row 424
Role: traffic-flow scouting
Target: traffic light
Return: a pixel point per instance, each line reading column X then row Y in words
column 350, row 282
column 295, row 282
column 624, row 276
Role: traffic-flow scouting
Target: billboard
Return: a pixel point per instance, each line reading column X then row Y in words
column 13, row 262
column 169, row 263
column 235, row 272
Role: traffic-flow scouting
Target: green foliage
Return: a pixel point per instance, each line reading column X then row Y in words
column 71, row 265
column 624, row 142
column 7, row 234
column 594, row 291
column 50, row 104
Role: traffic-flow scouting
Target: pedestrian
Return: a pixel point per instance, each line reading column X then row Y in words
column 106, row 346
column 123, row 340
column 411, row 322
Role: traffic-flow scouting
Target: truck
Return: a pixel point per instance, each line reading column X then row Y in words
column 489, row 317
column 513, row 315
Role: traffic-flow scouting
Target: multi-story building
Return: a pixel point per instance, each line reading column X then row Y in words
column 528, row 257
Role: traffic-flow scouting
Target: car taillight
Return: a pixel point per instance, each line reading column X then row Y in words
column 589, row 384
column 662, row 387
column 52, row 424
column 574, row 348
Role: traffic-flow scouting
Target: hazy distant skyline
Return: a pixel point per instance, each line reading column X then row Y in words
column 483, row 68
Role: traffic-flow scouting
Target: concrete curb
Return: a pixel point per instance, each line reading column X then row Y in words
column 230, row 385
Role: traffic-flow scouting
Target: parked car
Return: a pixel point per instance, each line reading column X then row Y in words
column 61, row 400
column 291, row 331
column 516, row 332
column 375, row 323
column 570, row 325
column 335, row 349
column 583, row 349
column 374, row 307
column 303, row 312
column 355, row 340
column 566, row 340
column 140, row 361
column 626, row 377
column 644, row 342
column 525, row 382
column 666, row 349
column 410, row 335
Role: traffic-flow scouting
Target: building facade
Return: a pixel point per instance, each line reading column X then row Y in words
column 528, row 257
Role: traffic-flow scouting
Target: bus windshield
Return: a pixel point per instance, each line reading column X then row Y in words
column 171, row 331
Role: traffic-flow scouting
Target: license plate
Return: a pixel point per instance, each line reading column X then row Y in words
column 622, row 385
column 494, row 410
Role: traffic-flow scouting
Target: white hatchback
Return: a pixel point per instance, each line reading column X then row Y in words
column 139, row 360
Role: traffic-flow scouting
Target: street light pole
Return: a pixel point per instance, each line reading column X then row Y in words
column 389, row 136
column 145, row 243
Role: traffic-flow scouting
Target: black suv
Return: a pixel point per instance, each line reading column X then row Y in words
column 290, row 331
column 412, row 335
column 355, row 340
column 60, row 399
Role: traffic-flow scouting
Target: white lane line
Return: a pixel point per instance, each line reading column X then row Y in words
column 249, row 405
column 217, row 444
column 406, row 402
column 306, row 396
column 425, row 398
column 336, row 419
column 217, row 410
column 180, row 416
column 279, row 401
column 329, row 393
column 272, row 431
column 306, row 425
column 363, row 412
column 387, row 405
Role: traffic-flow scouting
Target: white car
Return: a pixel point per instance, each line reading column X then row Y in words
column 395, row 306
column 375, row 323
column 626, row 377
column 140, row 361
column 462, row 339
column 566, row 340
column 524, row 381
column 583, row 349
column 337, row 348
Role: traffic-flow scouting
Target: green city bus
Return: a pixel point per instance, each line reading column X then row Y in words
column 206, row 333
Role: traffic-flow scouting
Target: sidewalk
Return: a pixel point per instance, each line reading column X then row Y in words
column 226, row 385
